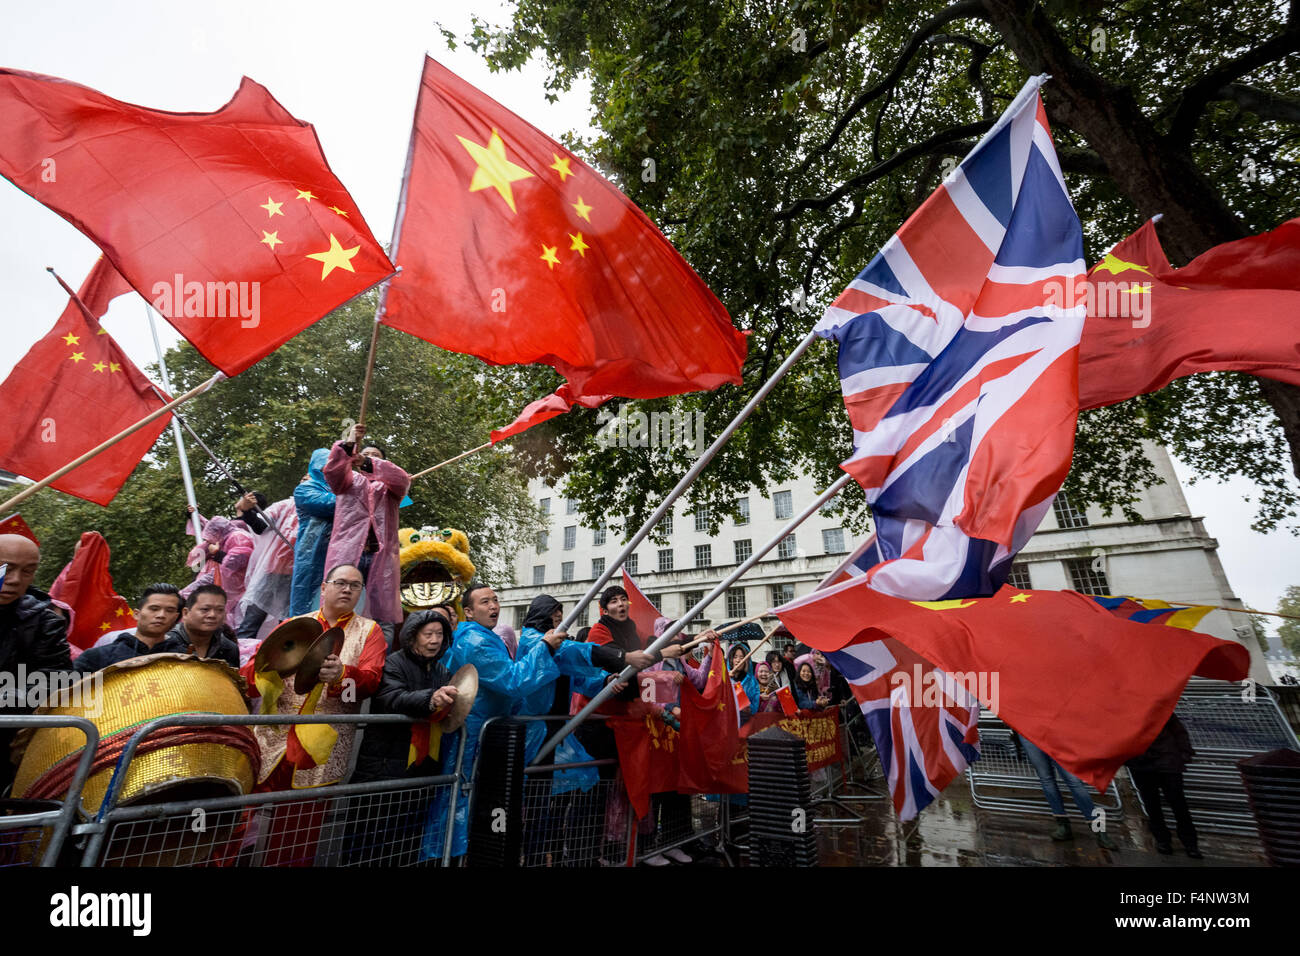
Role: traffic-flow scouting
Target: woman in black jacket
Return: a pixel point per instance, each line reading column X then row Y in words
column 386, row 828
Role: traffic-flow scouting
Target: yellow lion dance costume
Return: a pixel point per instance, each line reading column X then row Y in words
column 435, row 567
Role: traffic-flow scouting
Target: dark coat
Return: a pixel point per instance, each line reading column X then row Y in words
column 124, row 648
column 34, row 636
column 405, row 688
column 220, row 648
column 1170, row 752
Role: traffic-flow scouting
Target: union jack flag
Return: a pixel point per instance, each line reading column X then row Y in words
column 958, row 360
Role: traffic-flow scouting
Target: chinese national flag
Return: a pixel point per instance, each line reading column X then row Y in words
column 514, row 250
column 15, row 524
column 1089, row 689
column 86, row 586
column 73, row 389
column 1233, row 308
column 789, row 706
column 231, row 223
column 710, row 755
column 647, row 755
column 640, row 610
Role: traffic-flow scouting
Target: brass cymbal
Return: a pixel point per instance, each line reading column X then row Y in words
column 465, row 681
column 308, row 673
column 286, row 646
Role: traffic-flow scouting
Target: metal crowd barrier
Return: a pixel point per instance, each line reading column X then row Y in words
column 1002, row 779
column 1224, row 726
column 25, row 835
column 377, row 822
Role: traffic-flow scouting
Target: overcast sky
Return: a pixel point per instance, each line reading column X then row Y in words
column 352, row 70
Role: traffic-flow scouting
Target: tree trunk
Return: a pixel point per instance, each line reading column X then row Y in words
column 1154, row 175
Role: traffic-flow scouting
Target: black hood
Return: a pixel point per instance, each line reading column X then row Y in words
column 540, row 611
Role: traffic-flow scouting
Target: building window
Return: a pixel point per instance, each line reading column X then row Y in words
column 598, row 536
column 690, row 599
column 570, row 508
column 784, row 504
column 742, row 511
column 1067, row 515
column 786, row 549
column 1019, row 576
column 701, row 517
column 520, row 613
column 539, row 575
column 744, row 548
column 665, row 559
column 570, row 537
column 585, row 616
column 597, row 567
column 543, row 541
column 656, row 600
column 1085, row 579
column 546, row 505
column 704, row 555
column 566, row 571
column 631, row 565
column 736, row 602
column 782, row 594
column 665, row 526
column 833, row 540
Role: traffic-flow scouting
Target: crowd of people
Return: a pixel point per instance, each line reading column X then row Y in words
column 334, row 545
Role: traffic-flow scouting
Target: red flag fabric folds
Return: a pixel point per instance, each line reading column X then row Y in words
column 640, row 610
column 231, row 222
column 73, row 389
column 86, row 586
column 710, row 756
column 557, row 403
column 1233, row 308
column 15, row 524
column 514, row 250
column 1089, row 689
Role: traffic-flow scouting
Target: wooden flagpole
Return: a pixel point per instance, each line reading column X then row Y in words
column 449, row 461
column 104, row 446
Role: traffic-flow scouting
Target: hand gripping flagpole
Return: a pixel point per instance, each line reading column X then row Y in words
column 686, row 618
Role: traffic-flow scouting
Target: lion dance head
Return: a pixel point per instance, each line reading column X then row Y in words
column 435, row 567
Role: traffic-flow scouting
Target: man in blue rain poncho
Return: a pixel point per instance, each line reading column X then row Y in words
column 584, row 669
column 315, row 504
column 505, row 678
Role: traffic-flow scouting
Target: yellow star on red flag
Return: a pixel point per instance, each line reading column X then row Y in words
column 492, row 170
column 272, row 207
column 71, row 339
column 335, row 257
column 548, row 256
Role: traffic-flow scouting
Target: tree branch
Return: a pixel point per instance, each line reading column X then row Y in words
column 1199, row 94
column 1264, row 104
column 935, row 143
column 961, row 10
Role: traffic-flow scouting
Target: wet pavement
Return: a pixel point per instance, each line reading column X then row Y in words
column 952, row 831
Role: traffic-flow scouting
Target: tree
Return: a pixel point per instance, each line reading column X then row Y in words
column 1289, row 630
column 263, row 424
column 791, row 139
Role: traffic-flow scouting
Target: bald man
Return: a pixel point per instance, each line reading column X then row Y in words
column 33, row 635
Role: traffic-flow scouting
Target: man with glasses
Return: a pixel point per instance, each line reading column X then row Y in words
column 306, row 756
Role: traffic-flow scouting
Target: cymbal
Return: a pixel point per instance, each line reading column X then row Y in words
column 308, row 674
column 286, row 646
column 465, row 681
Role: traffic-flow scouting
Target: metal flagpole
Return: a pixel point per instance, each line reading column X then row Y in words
column 686, row 618
column 682, row 485
column 176, row 428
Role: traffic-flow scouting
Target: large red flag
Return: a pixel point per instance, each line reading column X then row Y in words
column 231, row 222
column 73, row 389
column 86, row 586
column 514, row 250
column 710, row 755
column 1089, row 689
column 1233, row 308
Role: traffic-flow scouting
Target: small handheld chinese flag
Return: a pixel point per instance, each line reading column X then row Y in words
column 86, row 586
